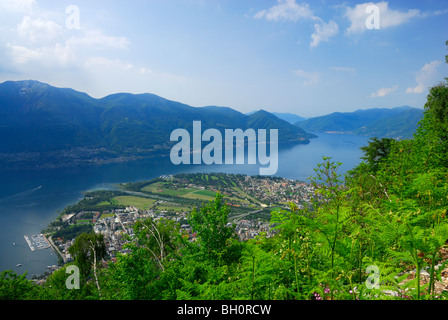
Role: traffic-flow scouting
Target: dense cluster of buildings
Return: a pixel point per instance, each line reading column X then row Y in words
column 277, row 191
column 249, row 229
column 115, row 224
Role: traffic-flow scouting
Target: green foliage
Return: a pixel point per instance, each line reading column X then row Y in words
column 55, row 288
column 88, row 250
column 211, row 225
column 95, row 201
column 15, row 287
column 73, row 231
column 376, row 151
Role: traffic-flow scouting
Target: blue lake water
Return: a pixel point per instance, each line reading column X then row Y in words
column 31, row 200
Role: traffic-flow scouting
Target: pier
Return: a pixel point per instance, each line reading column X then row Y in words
column 37, row 242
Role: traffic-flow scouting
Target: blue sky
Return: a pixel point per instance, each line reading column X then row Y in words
column 304, row 57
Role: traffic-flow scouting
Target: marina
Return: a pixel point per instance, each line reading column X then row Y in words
column 37, row 242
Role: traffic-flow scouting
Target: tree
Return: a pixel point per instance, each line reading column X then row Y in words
column 432, row 134
column 376, row 151
column 15, row 287
column 212, row 227
column 160, row 239
column 88, row 251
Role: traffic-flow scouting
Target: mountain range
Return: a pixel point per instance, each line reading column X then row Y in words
column 288, row 117
column 397, row 123
column 45, row 126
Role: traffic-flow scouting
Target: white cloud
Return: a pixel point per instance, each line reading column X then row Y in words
column 97, row 39
column 17, row 6
column 351, row 71
column 286, row 10
column 43, row 41
column 114, row 64
column 144, row 70
column 383, row 92
column 388, row 17
column 38, row 30
column 36, row 44
column 311, row 78
column 323, row 32
column 22, row 55
column 289, row 10
column 57, row 55
column 425, row 77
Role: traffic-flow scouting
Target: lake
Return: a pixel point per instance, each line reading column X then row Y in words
column 29, row 201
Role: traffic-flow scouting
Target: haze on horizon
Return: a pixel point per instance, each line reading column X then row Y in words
column 308, row 58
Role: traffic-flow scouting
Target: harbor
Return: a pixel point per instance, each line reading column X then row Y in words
column 37, row 242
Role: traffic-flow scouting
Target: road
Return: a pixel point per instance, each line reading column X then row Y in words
column 56, row 248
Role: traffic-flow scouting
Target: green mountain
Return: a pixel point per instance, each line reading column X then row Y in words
column 42, row 123
column 400, row 122
column 288, row 117
column 264, row 119
column 400, row 126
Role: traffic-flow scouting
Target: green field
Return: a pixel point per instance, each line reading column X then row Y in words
column 206, row 193
column 107, row 215
column 182, row 189
column 167, row 207
column 139, row 202
column 198, row 196
column 244, row 195
column 165, row 188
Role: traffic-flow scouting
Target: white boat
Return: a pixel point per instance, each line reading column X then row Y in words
column 19, row 265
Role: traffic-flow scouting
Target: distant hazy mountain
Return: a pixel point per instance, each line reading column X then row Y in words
column 41, row 122
column 400, row 122
column 289, row 117
column 400, row 126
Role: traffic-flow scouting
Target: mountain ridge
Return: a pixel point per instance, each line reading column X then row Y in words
column 378, row 122
column 37, row 118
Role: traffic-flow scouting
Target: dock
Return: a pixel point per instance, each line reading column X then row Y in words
column 37, row 242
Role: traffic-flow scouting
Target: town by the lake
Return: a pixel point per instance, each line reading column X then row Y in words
column 113, row 213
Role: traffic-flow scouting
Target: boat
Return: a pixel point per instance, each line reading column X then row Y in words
column 19, row 265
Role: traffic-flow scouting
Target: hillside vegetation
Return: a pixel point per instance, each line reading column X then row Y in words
column 397, row 123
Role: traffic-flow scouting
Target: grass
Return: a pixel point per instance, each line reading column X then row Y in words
column 163, row 188
column 199, row 196
column 139, row 202
column 107, row 215
column 167, row 207
column 244, row 195
column 206, row 193
column 169, row 189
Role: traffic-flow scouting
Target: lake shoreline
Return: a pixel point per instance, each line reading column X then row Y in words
column 62, row 187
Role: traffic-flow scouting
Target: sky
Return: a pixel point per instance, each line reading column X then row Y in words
column 309, row 58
